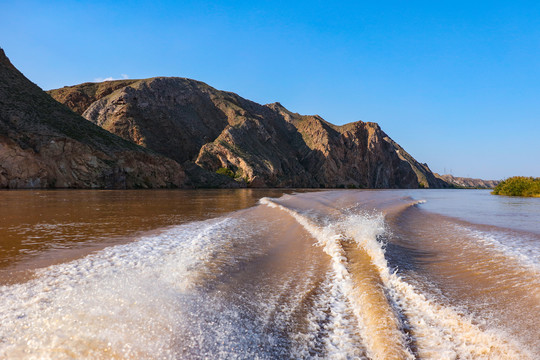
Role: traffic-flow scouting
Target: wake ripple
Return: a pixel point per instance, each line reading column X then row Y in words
column 437, row 331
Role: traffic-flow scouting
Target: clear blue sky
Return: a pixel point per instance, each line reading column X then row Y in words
column 456, row 83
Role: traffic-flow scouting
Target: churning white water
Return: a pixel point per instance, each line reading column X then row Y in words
column 339, row 275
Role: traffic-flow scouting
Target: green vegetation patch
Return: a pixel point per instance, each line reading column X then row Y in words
column 518, row 186
column 225, row 171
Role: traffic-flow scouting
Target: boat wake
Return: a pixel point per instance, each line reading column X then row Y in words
column 395, row 320
column 296, row 277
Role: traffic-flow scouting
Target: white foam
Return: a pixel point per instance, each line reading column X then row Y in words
column 332, row 328
column 439, row 331
column 329, row 237
column 128, row 300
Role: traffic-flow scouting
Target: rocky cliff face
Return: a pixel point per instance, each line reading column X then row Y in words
column 208, row 130
column 81, row 97
column 358, row 154
column 469, row 182
column 44, row 144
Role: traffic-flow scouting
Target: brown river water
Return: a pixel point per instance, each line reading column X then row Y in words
column 269, row 274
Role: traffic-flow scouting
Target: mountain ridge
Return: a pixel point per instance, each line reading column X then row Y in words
column 261, row 145
column 465, row 182
column 171, row 131
column 43, row 144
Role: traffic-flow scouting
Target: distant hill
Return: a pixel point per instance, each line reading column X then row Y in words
column 209, row 131
column 43, row 144
column 469, row 182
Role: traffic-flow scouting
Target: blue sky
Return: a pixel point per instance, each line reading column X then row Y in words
column 456, row 83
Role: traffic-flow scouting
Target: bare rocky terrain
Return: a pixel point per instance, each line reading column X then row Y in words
column 209, row 131
column 469, row 182
column 178, row 132
column 44, row 144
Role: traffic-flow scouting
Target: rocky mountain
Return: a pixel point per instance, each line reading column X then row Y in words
column 211, row 131
column 44, row 144
column 87, row 93
column 469, row 182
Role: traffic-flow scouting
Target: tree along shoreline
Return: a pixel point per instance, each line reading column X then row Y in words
column 518, row 186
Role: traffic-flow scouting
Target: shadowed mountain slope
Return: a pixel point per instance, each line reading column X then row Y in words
column 44, row 144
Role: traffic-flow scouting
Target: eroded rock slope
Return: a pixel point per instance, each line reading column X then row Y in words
column 258, row 145
column 44, row 144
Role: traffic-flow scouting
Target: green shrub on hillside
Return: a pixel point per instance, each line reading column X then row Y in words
column 225, row 171
column 518, row 186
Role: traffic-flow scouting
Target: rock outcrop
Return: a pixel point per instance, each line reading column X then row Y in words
column 258, row 145
column 80, row 98
column 463, row 182
column 44, row 144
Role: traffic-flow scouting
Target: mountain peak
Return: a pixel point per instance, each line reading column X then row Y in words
column 4, row 60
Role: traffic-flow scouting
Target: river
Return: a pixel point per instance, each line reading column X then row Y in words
column 269, row 274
